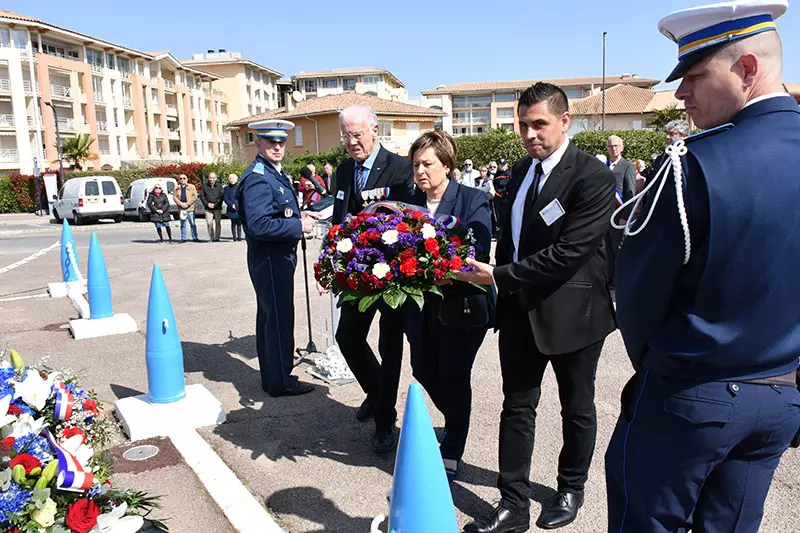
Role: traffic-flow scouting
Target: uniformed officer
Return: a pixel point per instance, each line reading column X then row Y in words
column 707, row 295
column 272, row 224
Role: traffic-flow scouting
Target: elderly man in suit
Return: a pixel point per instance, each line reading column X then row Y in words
column 553, row 306
column 370, row 167
column 625, row 174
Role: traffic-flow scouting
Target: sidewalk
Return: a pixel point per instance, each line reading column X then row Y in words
column 25, row 223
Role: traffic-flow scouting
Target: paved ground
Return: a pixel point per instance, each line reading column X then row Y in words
column 305, row 458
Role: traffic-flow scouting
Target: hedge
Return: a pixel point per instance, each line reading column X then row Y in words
column 490, row 146
column 8, row 201
column 639, row 144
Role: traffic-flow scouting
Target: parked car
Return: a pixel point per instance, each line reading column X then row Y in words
column 136, row 197
column 89, row 199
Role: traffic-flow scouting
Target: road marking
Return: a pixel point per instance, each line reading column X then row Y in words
column 16, row 298
column 29, row 258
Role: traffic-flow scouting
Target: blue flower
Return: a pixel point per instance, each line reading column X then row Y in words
column 13, row 501
column 24, row 407
column 35, row 445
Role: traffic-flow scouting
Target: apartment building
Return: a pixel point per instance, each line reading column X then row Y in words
column 474, row 108
column 135, row 105
column 252, row 89
column 370, row 81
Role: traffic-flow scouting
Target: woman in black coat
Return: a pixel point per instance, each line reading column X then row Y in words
column 454, row 326
column 229, row 197
column 158, row 202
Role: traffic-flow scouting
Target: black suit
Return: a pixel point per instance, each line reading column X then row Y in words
column 378, row 380
column 625, row 175
column 553, row 306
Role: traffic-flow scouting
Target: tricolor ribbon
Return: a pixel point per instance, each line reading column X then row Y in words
column 64, row 400
column 71, row 475
column 448, row 221
column 618, row 196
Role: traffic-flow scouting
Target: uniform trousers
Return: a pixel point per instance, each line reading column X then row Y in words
column 522, row 366
column 379, row 380
column 688, row 454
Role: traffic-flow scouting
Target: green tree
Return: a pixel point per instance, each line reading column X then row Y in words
column 639, row 144
column 661, row 117
column 77, row 150
column 489, row 146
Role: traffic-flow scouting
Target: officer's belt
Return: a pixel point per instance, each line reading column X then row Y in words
column 786, row 380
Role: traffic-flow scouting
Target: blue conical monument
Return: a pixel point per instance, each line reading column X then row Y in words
column 163, row 353
column 421, row 499
column 97, row 282
column 69, row 271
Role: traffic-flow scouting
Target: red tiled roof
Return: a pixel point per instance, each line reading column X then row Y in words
column 620, row 100
column 336, row 102
column 487, row 86
column 200, row 63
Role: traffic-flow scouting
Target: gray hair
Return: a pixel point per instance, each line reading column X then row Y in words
column 358, row 112
column 616, row 138
column 679, row 124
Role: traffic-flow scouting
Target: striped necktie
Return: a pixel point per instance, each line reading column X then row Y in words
column 359, row 177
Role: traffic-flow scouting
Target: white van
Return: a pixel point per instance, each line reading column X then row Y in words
column 89, row 198
column 136, row 197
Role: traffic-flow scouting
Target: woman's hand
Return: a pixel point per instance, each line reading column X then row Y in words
column 159, row 211
column 481, row 276
column 443, row 282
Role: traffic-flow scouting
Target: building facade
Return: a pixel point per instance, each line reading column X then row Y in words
column 370, row 81
column 475, row 108
column 317, row 124
column 626, row 108
column 134, row 105
column 251, row 88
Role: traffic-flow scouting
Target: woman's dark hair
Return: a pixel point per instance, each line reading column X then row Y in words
column 444, row 146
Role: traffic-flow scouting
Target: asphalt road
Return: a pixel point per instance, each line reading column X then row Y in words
column 306, row 458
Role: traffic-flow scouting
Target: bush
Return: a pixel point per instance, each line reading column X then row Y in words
column 639, row 144
column 293, row 164
column 490, row 146
column 23, row 189
column 8, row 202
column 192, row 170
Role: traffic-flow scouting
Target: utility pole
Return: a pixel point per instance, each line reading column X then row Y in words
column 58, row 142
column 603, row 122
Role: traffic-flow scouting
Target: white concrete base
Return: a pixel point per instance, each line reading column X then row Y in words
column 241, row 508
column 86, row 328
column 142, row 420
column 59, row 290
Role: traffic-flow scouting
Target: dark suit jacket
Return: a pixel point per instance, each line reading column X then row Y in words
column 560, row 278
column 389, row 170
column 625, row 174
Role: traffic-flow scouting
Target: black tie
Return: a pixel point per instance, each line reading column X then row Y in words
column 359, row 177
column 533, row 191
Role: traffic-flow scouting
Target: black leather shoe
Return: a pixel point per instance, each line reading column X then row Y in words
column 385, row 440
column 501, row 520
column 366, row 410
column 295, row 390
column 562, row 510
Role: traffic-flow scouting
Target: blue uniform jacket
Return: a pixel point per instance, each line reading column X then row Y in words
column 267, row 205
column 733, row 312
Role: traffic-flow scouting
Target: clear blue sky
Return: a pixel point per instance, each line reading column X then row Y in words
column 424, row 43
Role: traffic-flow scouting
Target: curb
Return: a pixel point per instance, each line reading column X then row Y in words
column 104, row 227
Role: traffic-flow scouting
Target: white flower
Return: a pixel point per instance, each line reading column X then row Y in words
column 380, row 270
column 46, row 516
column 428, row 231
column 34, row 390
column 5, row 480
column 24, row 426
column 389, row 236
column 116, row 521
column 344, row 246
column 6, row 418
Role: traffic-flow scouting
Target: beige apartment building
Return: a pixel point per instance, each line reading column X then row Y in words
column 135, row 105
column 370, row 81
column 251, row 88
column 476, row 107
column 627, row 108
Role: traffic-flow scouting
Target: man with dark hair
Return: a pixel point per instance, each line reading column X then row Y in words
column 553, row 307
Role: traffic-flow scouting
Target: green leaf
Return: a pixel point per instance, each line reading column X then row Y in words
column 367, row 301
column 394, row 298
column 435, row 290
column 412, row 291
column 348, row 297
column 419, row 299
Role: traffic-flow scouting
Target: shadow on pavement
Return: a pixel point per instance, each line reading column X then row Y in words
column 309, row 503
column 121, row 391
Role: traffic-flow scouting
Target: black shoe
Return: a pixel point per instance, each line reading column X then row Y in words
column 562, row 510
column 501, row 520
column 385, row 440
column 366, row 410
column 295, row 390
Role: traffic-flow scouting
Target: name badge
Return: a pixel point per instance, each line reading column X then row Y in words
column 340, row 195
column 552, row 212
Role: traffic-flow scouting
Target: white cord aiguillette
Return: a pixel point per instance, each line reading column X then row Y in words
column 674, row 151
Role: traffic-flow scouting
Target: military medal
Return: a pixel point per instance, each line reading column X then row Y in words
column 288, row 212
column 280, row 190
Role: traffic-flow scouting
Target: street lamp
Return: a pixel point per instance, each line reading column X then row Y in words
column 603, row 123
column 58, row 141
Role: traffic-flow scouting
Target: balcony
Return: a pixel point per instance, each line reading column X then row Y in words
column 98, row 97
column 172, row 110
column 96, row 68
column 125, row 75
column 66, row 124
column 217, row 92
column 127, row 101
column 130, row 129
column 7, row 121
column 60, row 91
column 159, row 135
column 174, row 135
column 102, row 126
column 9, row 155
column 155, row 107
column 27, row 86
column 105, row 151
column 5, row 85
column 169, row 85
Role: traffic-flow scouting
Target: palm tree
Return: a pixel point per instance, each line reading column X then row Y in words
column 661, row 117
column 76, row 149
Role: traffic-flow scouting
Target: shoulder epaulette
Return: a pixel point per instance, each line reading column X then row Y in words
column 258, row 168
column 708, row 133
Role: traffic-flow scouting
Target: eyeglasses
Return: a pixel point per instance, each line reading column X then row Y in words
column 357, row 136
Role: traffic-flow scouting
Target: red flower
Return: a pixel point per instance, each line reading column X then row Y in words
column 72, row 431
column 455, row 240
column 14, row 410
column 408, row 266
column 389, row 276
column 91, row 405
column 27, row 460
column 82, row 515
column 417, row 215
column 456, row 264
column 431, row 245
column 437, row 274
column 402, row 227
column 7, row 443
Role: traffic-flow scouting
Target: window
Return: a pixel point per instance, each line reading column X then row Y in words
column 128, row 193
column 108, row 188
column 258, row 76
column 370, row 80
column 330, row 84
column 249, row 137
column 637, row 124
column 481, row 116
column 91, row 189
column 124, row 65
column 504, row 97
column 479, row 130
column 97, row 84
column 574, row 93
column 507, row 127
column 248, row 73
column 94, row 57
column 19, row 39
column 5, row 40
column 461, row 117
column 506, row 112
column 298, row 136
column 110, row 61
column 310, row 86
column 385, row 128
column 349, row 84
column 472, row 101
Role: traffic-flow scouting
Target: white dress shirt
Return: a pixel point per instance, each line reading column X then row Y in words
column 518, row 209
